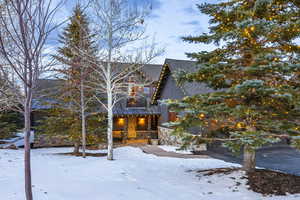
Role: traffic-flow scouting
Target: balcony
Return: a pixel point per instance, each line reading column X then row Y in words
column 136, row 102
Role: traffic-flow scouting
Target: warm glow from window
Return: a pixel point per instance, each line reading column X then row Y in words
column 240, row 125
column 121, row 121
column 202, row 116
column 141, row 121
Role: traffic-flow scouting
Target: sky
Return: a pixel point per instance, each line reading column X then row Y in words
column 173, row 20
column 169, row 21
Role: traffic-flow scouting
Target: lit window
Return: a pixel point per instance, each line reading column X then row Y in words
column 121, row 121
column 141, row 123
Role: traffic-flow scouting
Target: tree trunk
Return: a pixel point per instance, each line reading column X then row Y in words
column 83, row 123
column 27, row 164
column 76, row 148
column 109, row 88
column 249, row 159
column 110, row 130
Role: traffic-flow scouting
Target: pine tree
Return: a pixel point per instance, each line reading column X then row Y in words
column 66, row 124
column 77, row 40
column 254, row 71
column 10, row 123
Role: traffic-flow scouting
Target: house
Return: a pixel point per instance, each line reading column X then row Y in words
column 139, row 116
column 167, row 87
column 135, row 119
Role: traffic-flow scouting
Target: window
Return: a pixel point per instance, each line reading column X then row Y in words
column 135, row 102
column 146, row 90
column 134, row 90
column 142, row 123
column 119, row 123
column 173, row 116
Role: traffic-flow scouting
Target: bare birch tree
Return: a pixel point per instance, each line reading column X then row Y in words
column 25, row 28
column 119, row 25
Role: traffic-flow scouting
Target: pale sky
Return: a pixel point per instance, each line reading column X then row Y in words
column 174, row 19
column 170, row 20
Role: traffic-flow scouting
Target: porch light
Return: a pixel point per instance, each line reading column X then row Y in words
column 202, row 116
column 240, row 125
column 141, row 121
column 121, row 121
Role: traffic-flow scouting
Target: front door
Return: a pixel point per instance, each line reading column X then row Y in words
column 131, row 127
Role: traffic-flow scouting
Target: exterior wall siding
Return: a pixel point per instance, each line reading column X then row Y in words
column 169, row 91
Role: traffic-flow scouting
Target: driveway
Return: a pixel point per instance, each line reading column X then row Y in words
column 282, row 158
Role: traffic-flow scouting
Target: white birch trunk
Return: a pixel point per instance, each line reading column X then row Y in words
column 109, row 120
column 110, row 135
column 109, row 89
column 83, row 119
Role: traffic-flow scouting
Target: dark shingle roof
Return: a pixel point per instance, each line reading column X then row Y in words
column 48, row 88
column 152, row 71
column 121, row 110
column 188, row 66
column 52, row 85
column 188, row 89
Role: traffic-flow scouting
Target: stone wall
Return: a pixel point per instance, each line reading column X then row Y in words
column 166, row 137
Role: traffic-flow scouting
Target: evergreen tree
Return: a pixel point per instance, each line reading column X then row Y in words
column 10, row 123
column 64, row 123
column 77, row 41
column 254, row 71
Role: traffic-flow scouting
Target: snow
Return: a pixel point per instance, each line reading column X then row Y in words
column 18, row 141
column 133, row 175
column 174, row 149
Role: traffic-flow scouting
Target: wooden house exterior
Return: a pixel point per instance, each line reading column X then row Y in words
column 135, row 119
column 168, row 88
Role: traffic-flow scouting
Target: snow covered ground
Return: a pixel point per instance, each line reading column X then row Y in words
column 132, row 176
column 174, row 149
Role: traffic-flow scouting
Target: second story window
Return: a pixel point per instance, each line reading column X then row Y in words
column 136, row 102
column 135, row 90
column 137, row 94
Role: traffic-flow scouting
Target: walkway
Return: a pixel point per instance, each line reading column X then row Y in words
column 155, row 150
column 281, row 158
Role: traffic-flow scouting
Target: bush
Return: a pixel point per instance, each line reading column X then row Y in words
column 10, row 123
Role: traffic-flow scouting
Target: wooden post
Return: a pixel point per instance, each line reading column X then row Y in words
column 125, row 131
column 149, row 122
column 149, row 129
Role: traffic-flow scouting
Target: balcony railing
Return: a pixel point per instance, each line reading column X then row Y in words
column 136, row 102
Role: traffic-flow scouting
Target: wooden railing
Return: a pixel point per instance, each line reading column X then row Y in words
column 151, row 134
column 146, row 134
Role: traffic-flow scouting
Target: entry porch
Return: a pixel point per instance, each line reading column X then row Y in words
column 135, row 128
